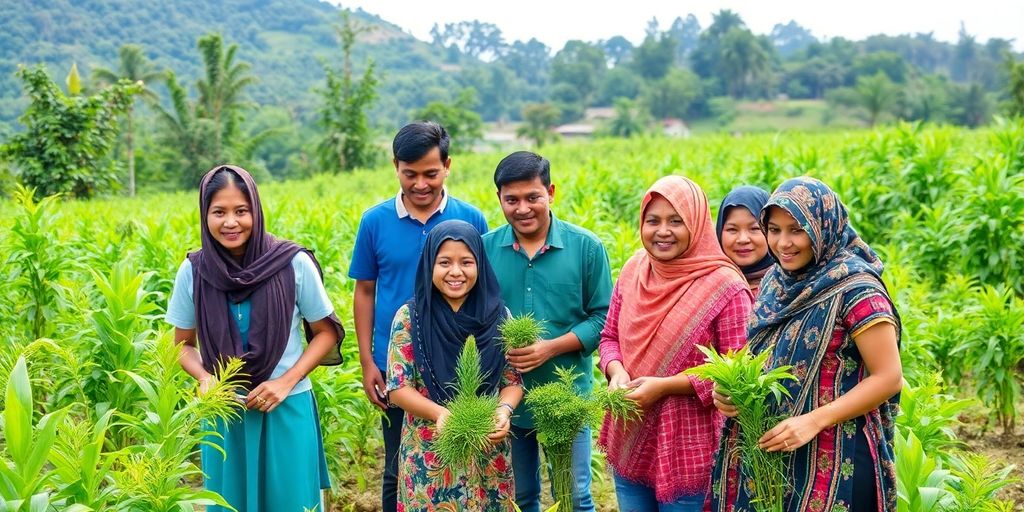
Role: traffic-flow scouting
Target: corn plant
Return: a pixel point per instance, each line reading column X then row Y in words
column 920, row 480
column 351, row 423
column 464, row 436
column 931, row 415
column 560, row 413
column 520, row 332
column 174, row 421
column 24, row 481
column 37, row 262
column 993, row 199
column 121, row 324
column 742, row 376
column 974, row 484
column 996, row 345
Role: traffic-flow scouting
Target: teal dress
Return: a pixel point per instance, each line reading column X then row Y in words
column 274, row 461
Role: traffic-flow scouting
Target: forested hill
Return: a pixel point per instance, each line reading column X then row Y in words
column 283, row 40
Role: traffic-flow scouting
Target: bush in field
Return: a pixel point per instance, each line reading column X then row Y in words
column 67, row 137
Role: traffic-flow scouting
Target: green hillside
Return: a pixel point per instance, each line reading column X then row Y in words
column 284, row 40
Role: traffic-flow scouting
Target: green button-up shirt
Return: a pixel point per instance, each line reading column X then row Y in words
column 567, row 286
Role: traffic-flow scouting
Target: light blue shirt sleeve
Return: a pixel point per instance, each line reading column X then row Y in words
column 181, row 310
column 311, row 297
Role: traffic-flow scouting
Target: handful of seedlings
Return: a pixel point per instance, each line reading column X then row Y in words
column 559, row 414
column 464, row 436
column 520, row 331
column 742, row 376
column 620, row 408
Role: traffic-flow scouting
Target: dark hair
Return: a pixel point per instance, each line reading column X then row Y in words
column 522, row 166
column 416, row 139
column 220, row 180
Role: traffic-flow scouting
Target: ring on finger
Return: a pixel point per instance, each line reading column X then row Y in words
column 786, row 443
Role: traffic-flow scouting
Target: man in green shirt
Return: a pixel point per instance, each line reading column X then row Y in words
column 559, row 273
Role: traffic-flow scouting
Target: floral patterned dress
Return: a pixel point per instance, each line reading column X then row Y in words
column 423, row 485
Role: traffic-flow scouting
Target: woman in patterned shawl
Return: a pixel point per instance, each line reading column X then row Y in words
column 824, row 310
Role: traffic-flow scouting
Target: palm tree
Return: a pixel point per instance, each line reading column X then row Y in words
column 133, row 67
column 220, row 91
column 188, row 135
column 743, row 60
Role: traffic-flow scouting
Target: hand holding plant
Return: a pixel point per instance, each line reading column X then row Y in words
column 741, row 380
column 464, row 428
column 441, row 419
column 723, row 403
column 502, row 424
column 791, row 433
column 521, row 336
column 531, row 357
column 618, row 377
column 646, row 391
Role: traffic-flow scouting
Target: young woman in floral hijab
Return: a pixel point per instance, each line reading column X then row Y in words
column 824, row 310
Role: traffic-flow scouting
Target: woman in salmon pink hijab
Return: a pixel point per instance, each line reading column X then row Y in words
column 678, row 292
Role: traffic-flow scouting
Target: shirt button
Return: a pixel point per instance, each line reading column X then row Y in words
column 529, row 289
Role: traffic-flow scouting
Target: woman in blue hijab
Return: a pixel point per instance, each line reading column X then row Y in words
column 740, row 235
column 456, row 296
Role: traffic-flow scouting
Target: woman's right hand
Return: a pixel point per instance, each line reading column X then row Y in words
column 441, row 418
column 723, row 403
column 205, row 383
column 618, row 377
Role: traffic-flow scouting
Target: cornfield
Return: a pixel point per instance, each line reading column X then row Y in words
column 98, row 416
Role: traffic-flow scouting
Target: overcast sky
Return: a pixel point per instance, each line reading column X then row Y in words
column 554, row 22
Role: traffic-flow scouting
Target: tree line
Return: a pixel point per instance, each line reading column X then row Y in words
column 140, row 124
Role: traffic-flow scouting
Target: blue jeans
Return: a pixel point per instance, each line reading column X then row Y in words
column 526, row 468
column 634, row 497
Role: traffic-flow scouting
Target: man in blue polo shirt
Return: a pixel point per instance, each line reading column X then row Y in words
column 388, row 245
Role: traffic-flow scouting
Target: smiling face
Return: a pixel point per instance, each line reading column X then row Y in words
column 422, row 181
column 788, row 240
column 742, row 239
column 663, row 232
column 527, row 205
column 455, row 272
column 230, row 219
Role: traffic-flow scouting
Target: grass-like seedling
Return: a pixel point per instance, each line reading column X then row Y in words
column 559, row 414
column 464, row 435
column 742, row 376
column 614, row 401
column 520, row 331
